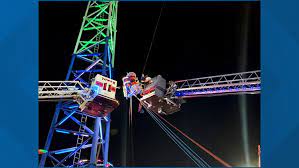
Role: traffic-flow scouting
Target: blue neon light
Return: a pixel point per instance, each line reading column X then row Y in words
column 64, row 151
column 73, row 106
column 87, row 55
column 79, row 134
column 218, row 90
column 63, row 120
column 64, row 132
column 95, row 90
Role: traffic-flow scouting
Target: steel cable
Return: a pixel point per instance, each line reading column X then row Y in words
column 183, row 142
column 197, row 144
column 153, row 38
column 185, row 148
column 179, row 142
column 174, row 140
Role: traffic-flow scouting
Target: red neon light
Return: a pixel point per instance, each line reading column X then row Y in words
column 197, row 144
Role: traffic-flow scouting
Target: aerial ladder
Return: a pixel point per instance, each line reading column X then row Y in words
column 158, row 97
column 235, row 83
column 59, row 90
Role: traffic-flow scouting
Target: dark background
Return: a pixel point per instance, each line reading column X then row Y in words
column 194, row 39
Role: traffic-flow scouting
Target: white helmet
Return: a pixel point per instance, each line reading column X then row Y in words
column 131, row 74
column 148, row 79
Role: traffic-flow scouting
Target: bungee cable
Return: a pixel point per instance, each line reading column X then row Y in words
column 175, row 140
column 153, row 38
column 130, row 113
column 131, row 129
column 193, row 141
column 197, row 144
column 183, row 146
column 184, row 143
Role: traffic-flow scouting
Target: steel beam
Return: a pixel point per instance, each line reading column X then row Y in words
column 50, row 135
column 93, row 155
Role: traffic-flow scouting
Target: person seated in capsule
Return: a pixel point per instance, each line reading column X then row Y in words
column 132, row 84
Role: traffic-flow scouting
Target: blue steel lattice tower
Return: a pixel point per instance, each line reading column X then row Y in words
column 93, row 54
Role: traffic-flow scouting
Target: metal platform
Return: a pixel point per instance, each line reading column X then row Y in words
column 159, row 105
column 101, row 106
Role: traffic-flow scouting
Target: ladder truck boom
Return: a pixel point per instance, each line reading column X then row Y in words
column 59, row 90
column 236, row 83
column 157, row 97
column 97, row 100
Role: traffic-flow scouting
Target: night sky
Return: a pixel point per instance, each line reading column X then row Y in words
column 194, row 39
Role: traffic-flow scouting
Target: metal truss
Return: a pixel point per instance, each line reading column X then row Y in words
column 94, row 50
column 99, row 22
column 236, row 83
column 69, row 110
column 59, row 89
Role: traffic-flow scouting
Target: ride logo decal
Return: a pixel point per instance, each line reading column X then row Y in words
column 107, row 86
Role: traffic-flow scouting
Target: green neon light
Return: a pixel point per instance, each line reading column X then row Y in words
column 94, row 28
column 42, row 151
column 99, row 22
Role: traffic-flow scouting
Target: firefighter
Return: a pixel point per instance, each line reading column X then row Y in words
column 146, row 79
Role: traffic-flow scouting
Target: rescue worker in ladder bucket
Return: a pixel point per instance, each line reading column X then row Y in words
column 145, row 80
column 133, row 87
